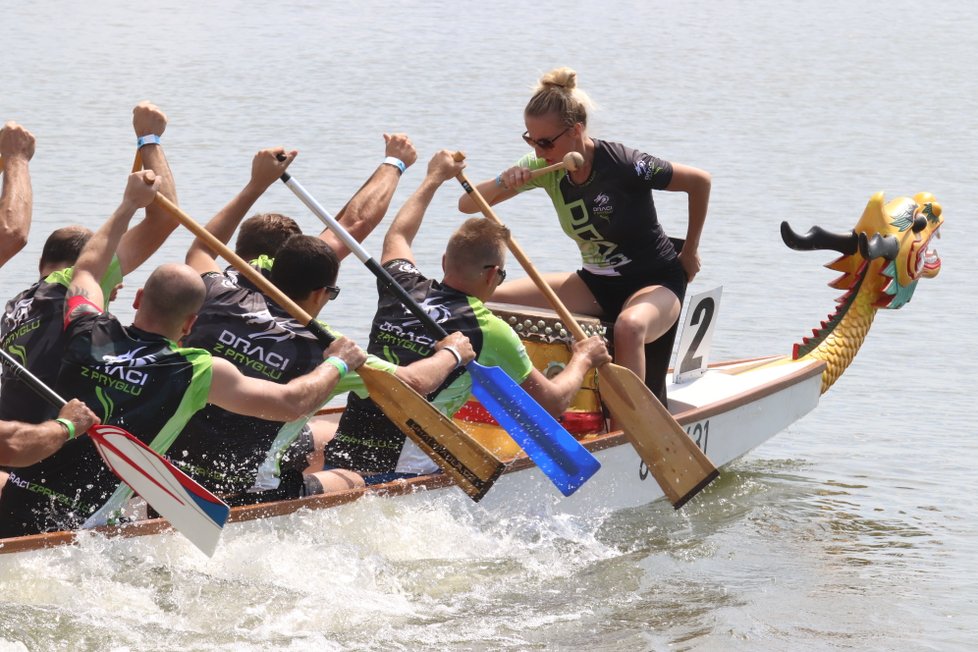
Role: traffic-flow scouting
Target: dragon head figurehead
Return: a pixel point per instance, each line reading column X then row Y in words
column 882, row 260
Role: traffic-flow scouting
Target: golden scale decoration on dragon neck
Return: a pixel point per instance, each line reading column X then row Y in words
column 882, row 259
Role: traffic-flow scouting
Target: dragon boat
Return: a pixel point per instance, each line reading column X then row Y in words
column 727, row 408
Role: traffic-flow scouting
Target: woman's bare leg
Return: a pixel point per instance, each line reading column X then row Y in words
column 646, row 316
column 569, row 288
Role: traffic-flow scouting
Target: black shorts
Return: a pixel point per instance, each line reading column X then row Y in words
column 611, row 292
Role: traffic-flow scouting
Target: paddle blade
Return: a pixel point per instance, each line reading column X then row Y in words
column 190, row 509
column 675, row 461
column 473, row 467
column 542, row 438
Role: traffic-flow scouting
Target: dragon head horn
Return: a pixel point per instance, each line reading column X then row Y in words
column 818, row 238
column 879, row 246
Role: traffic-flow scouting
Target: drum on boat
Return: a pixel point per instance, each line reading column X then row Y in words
column 548, row 344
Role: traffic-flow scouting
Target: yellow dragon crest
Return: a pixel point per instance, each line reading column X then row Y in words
column 882, row 259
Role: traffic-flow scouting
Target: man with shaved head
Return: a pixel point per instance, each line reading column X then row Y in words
column 139, row 378
column 31, row 326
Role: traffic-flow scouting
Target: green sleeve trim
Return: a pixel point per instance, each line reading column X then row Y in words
column 501, row 346
column 193, row 400
column 112, row 278
column 60, row 277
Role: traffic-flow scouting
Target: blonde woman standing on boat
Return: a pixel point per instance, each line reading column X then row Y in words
column 632, row 274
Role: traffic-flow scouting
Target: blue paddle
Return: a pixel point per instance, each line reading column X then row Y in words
column 545, row 441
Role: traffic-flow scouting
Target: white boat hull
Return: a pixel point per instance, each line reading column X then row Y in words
column 730, row 410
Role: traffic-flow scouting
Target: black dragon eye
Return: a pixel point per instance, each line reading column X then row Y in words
column 919, row 223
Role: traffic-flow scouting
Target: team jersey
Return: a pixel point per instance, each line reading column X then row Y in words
column 366, row 441
column 228, row 452
column 611, row 216
column 32, row 332
column 139, row 381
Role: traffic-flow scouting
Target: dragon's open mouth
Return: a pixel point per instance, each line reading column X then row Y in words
column 928, row 263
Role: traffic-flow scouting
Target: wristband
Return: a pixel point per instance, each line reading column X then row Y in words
column 396, row 162
column 499, row 179
column 67, row 423
column 339, row 363
column 454, row 352
column 148, row 139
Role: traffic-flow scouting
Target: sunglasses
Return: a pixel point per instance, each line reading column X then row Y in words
column 501, row 273
column 331, row 291
column 543, row 143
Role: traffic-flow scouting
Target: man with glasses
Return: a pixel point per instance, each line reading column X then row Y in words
column 474, row 264
column 254, row 460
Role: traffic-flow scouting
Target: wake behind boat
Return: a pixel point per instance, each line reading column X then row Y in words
column 728, row 408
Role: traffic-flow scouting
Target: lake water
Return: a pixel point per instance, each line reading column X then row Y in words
column 853, row 529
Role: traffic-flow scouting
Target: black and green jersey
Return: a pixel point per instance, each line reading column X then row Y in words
column 366, row 441
column 137, row 380
column 226, row 451
column 611, row 216
column 32, row 331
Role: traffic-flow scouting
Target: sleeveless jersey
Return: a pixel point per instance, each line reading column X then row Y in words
column 366, row 441
column 225, row 451
column 32, row 331
column 611, row 216
column 137, row 380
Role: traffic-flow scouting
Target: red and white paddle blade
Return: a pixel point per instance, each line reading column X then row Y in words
column 192, row 510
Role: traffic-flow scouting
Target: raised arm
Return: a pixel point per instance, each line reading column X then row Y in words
column 503, row 187
column 400, row 236
column 696, row 184
column 94, row 259
column 17, row 198
column 141, row 241
column 367, row 207
column 265, row 170
column 235, row 392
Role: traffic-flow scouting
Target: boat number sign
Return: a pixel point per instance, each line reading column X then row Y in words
column 697, row 335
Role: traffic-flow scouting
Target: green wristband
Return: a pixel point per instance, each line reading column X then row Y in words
column 67, row 423
column 339, row 363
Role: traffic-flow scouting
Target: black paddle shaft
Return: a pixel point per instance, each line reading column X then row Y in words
column 32, row 381
column 382, row 274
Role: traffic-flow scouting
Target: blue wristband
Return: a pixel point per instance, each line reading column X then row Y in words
column 148, row 139
column 396, row 162
column 499, row 179
column 339, row 364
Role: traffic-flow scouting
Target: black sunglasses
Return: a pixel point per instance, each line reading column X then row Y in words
column 501, row 272
column 331, row 291
column 543, row 143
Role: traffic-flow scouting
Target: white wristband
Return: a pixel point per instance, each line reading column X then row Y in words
column 396, row 162
column 454, row 352
column 148, row 139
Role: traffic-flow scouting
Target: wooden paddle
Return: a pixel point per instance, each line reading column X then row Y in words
column 473, row 467
column 677, row 464
column 555, row 452
column 571, row 161
column 192, row 510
